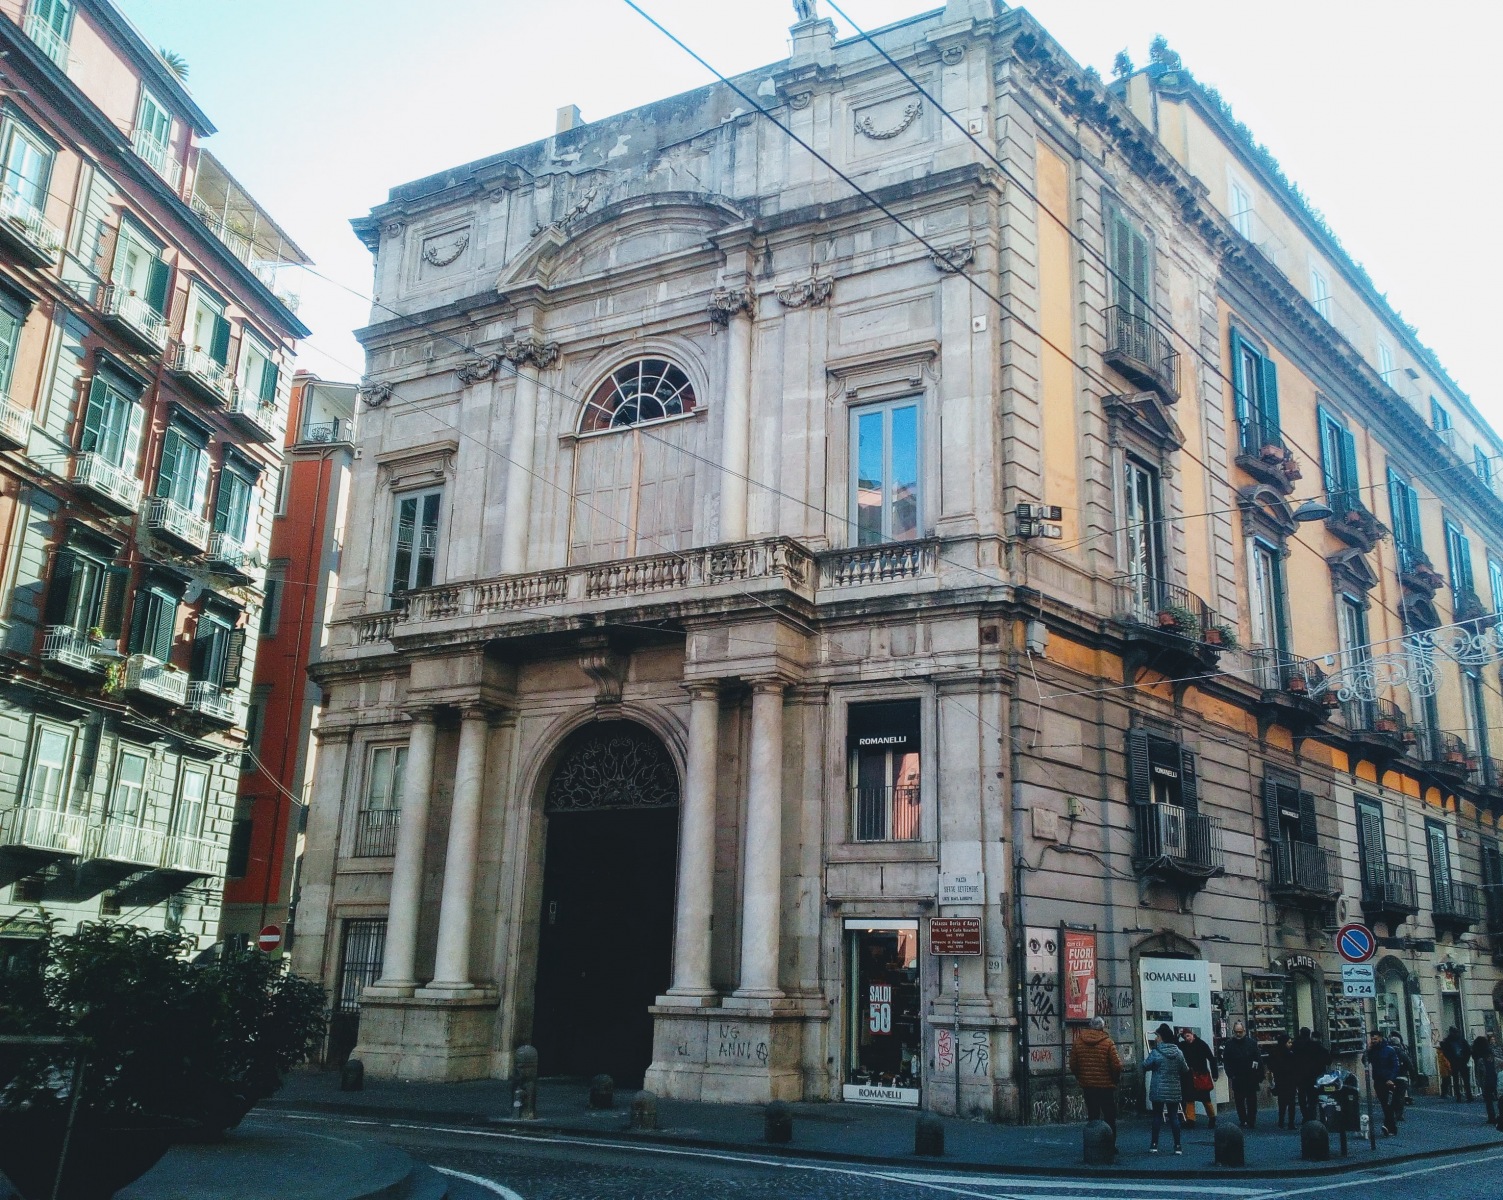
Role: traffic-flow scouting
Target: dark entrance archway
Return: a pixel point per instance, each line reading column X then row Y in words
column 606, row 944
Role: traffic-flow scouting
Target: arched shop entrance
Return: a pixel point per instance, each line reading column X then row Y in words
column 605, row 945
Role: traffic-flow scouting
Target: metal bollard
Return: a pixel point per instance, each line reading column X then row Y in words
column 602, row 1092
column 777, row 1123
column 644, row 1111
column 929, row 1136
column 1314, row 1142
column 1099, row 1144
column 524, row 1101
column 1231, row 1149
column 352, row 1076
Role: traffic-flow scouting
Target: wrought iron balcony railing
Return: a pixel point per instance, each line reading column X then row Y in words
column 199, row 367
column 158, row 155
column 170, row 517
column 127, row 842
column 1389, row 889
column 1455, row 903
column 1275, row 670
column 256, row 416
column 131, row 310
column 1383, row 718
column 147, row 675
column 885, row 814
column 1147, row 600
column 211, row 700
column 51, row 42
column 15, row 421
column 226, row 550
column 376, row 832
column 1301, row 867
column 324, row 433
column 1188, row 840
column 34, row 827
column 72, row 648
column 1142, row 351
column 31, row 233
column 99, row 475
column 192, row 855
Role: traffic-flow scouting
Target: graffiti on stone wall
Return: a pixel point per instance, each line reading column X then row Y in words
column 975, row 1052
column 731, row 1046
column 1046, row 1110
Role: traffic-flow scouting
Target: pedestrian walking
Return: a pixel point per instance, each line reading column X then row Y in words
column 1281, row 1067
column 1203, row 1075
column 1166, row 1091
column 1406, row 1075
column 1459, row 1056
column 1243, row 1059
column 1311, row 1058
column 1097, row 1067
column 1384, row 1062
column 1485, row 1064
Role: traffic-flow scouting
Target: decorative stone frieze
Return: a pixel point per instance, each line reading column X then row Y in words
column 725, row 303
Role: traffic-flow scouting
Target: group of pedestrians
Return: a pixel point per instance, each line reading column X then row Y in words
column 1182, row 1070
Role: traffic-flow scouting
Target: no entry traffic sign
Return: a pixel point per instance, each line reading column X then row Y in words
column 269, row 938
column 1355, row 943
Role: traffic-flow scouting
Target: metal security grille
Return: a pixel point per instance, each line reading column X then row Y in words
column 360, row 961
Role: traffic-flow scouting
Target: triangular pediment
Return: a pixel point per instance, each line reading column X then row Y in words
column 1146, row 413
column 1352, row 568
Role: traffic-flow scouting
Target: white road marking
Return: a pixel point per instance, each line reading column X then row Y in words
column 1372, row 1179
column 1044, row 1184
column 489, row 1185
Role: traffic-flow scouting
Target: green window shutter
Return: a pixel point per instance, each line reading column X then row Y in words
column 234, row 659
column 157, row 277
column 10, row 333
column 268, row 390
column 171, row 468
column 219, row 340
column 1271, row 820
column 1189, row 784
column 1268, row 395
column 1398, row 509
column 224, row 501
column 1239, row 376
column 1349, row 462
column 96, row 416
column 1121, row 260
column 200, row 493
column 1139, row 772
column 1307, row 830
column 164, row 626
column 112, row 600
column 141, row 622
column 130, row 452
column 62, row 588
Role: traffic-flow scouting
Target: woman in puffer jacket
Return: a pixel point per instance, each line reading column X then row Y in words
column 1166, row 1092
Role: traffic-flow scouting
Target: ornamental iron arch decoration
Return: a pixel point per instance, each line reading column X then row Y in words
column 642, row 391
column 612, row 765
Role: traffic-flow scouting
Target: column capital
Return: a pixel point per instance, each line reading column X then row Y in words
column 481, row 710
column 703, row 689
column 769, row 683
column 726, row 303
column 421, row 713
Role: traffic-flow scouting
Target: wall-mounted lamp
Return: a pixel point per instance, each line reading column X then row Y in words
column 1312, row 510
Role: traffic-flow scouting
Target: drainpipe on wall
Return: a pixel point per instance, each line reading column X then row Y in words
column 1015, row 733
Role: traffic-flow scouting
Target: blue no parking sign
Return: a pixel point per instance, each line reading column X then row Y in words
column 1356, row 943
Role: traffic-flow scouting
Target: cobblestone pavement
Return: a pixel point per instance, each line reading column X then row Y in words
column 563, row 1167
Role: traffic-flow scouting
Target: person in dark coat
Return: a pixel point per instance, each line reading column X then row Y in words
column 1459, row 1056
column 1243, row 1060
column 1406, row 1075
column 1311, row 1058
column 1485, row 1064
column 1202, row 1063
column 1383, row 1059
column 1281, row 1067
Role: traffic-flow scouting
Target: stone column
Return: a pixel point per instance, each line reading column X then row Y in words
column 451, row 968
column 399, row 957
column 762, row 871
column 530, row 357
column 696, row 855
column 735, row 446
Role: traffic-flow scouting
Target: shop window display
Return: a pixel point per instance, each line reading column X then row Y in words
column 884, row 1042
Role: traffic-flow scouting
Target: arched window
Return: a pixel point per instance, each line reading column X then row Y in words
column 649, row 389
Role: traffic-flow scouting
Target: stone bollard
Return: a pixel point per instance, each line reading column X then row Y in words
column 1314, row 1142
column 1099, row 1143
column 777, row 1123
column 644, row 1111
column 524, row 1099
column 602, row 1092
column 929, row 1136
column 352, row 1076
column 1231, row 1150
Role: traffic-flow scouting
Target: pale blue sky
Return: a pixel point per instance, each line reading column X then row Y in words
column 1381, row 111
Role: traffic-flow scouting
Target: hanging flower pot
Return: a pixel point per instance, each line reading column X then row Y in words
column 1297, row 685
column 1166, row 619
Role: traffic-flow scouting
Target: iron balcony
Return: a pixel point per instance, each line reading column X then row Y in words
column 1141, row 351
column 129, row 312
column 96, row 474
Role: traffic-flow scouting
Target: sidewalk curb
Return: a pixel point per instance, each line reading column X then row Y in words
column 667, row 1137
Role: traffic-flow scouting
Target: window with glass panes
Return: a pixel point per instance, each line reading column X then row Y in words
column 1484, row 465
column 1267, row 586
column 1458, row 560
column 50, row 24
column 25, row 166
column 1440, row 419
column 86, row 591
column 1131, row 259
column 192, row 799
column 233, row 504
column 47, row 778
column 112, row 421
column 218, row 649
column 183, row 474
column 1255, row 380
column 885, row 472
column 258, row 375
column 883, row 746
column 415, row 541
column 206, row 328
column 1403, row 503
column 138, row 269
column 1320, row 293
column 376, row 822
column 1338, row 462
column 12, row 318
column 128, row 796
column 154, row 124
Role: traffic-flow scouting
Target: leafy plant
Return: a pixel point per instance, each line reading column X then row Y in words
column 176, row 63
column 1227, row 636
column 114, row 678
column 1183, row 619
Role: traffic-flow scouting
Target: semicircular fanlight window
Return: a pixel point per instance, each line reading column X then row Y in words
column 649, row 389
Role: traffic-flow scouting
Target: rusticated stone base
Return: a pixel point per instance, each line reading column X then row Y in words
column 426, row 1039
column 742, row 1052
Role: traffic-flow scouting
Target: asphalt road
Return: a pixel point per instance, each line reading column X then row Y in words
column 487, row 1163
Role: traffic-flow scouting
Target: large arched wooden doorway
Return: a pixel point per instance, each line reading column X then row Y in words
column 606, row 944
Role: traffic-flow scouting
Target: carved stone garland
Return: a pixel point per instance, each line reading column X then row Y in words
column 911, row 113
column 442, row 256
column 374, row 393
column 813, row 292
column 616, row 765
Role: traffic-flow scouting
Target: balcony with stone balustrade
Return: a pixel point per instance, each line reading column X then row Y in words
column 711, row 578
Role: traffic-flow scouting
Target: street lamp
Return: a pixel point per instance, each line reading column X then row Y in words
column 1313, row 510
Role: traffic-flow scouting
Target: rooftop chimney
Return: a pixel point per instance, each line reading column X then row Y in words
column 568, row 117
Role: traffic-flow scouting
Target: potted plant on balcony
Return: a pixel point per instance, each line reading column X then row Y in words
column 1176, row 618
column 1221, row 636
column 1454, row 756
column 114, row 678
column 1291, row 470
column 1272, row 453
column 1386, row 723
column 1296, row 685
